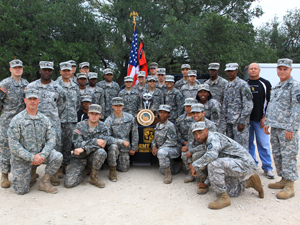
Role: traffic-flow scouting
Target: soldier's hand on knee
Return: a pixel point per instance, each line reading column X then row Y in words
column 38, row 160
column 289, row 135
column 126, row 143
column 240, row 127
column 78, row 151
column 194, row 172
column 184, row 148
column 266, row 130
column 131, row 152
column 154, row 150
column 101, row 143
column 188, row 154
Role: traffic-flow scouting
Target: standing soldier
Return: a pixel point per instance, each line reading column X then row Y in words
column 52, row 102
column 32, row 140
column 82, row 114
column 11, row 103
column 212, row 107
column 89, row 138
column 83, row 89
column 190, row 89
column 237, row 107
column 69, row 116
column 161, row 74
column 73, row 77
column 141, row 86
column 111, row 90
column 130, row 97
column 184, row 80
column 283, row 116
column 84, row 67
column 121, row 126
column 153, row 68
column 216, row 83
column 173, row 98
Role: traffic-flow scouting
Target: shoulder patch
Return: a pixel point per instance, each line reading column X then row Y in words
column 247, row 93
column 209, row 146
column 3, row 89
column 298, row 97
column 77, row 131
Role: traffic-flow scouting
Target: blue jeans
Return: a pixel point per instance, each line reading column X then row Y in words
column 263, row 145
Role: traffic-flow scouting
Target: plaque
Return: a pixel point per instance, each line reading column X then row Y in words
column 145, row 117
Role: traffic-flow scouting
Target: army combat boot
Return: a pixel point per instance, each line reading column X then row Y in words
column 55, row 180
column 202, row 188
column 60, row 173
column 95, row 180
column 45, row 185
column 33, row 176
column 168, row 176
column 4, row 181
column 113, row 173
column 189, row 178
column 278, row 185
column 222, row 201
column 255, row 182
column 288, row 190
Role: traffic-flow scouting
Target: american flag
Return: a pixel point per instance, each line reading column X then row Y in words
column 133, row 65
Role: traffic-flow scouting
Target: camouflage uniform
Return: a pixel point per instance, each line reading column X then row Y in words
column 84, row 137
column 69, row 117
column 283, row 113
column 227, row 163
column 236, row 109
column 180, row 83
column 74, row 79
column 174, row 99
column 99, row 96
column 158, row 99
column 140, row 89
column 119, row 130
column 189, row 91
column 217, row 88
column 163, row 88
column 84, row 92
column 166, row 143
column 11, row 103
column 131, row 101
column 212, row 109
column 110, row 91
column 29, row 136
column 52, row 105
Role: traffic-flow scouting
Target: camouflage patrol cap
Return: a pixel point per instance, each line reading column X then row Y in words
column 65, row 66
column 46, row 65
column 31, row 93
column 81, row 75
column 15, row 62
column 166, row 108
column 185, row 66
column 198, row 126
column 128, row 79
column 153, row 65
column 73, row 63
column 83, row 64
column 161, row 71
column 192, row 73
column 214, row 66
column 95, row 108
column 152, row 77
column 198, row 107
column 141, row 74
column 117, row 101
column 203, row 87
column 189, row 101
column 284, row 62
column 108, row 71
column 86, row 98
column 169, row 78
column 92, row 75
column 231, row 66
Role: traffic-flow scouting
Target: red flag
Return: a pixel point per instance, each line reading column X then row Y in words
column 142, row 58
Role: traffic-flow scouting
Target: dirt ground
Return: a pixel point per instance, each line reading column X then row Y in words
column 140, row 197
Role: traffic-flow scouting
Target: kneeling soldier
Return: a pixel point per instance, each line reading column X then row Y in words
column 227, row 163
column 89, row 138
column 32, row 140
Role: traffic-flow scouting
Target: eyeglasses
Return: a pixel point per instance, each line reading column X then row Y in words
column 151, row 81
column 160, row 75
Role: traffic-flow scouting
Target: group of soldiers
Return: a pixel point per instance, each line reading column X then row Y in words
column 74, row 124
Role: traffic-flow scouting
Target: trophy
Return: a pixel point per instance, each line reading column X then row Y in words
column 146, row 117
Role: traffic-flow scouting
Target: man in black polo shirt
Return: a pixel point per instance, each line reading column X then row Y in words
column 260, row 89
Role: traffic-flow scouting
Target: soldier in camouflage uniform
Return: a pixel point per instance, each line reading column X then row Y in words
column 153, row 68
column 69, row 116
column 190, row 89
column 158, row 96
column 32, row 140
column 216, row 83
column 73, row 76
column 111, row 90
column 142, row 85
column 184, row 80
column 98, row 91
column 237, row 107
column 161, row 75
column 227, row 163
column 173, row 98
column 164, row 144
column 89, row 138
column 84, row 67
column 11, row 103
column 212, row 107
column 283, row 116
column 83, row 89
column 121, row 127
column 131, row 97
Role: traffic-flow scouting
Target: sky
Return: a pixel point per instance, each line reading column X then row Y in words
column 274, row 7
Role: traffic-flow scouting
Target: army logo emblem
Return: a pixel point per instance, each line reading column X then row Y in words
column 148, row 135
column 145, row 117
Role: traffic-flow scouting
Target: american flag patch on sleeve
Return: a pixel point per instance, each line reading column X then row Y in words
column 3, row 89
column 77, row 131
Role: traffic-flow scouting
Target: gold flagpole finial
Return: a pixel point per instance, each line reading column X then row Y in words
column 134, row 14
